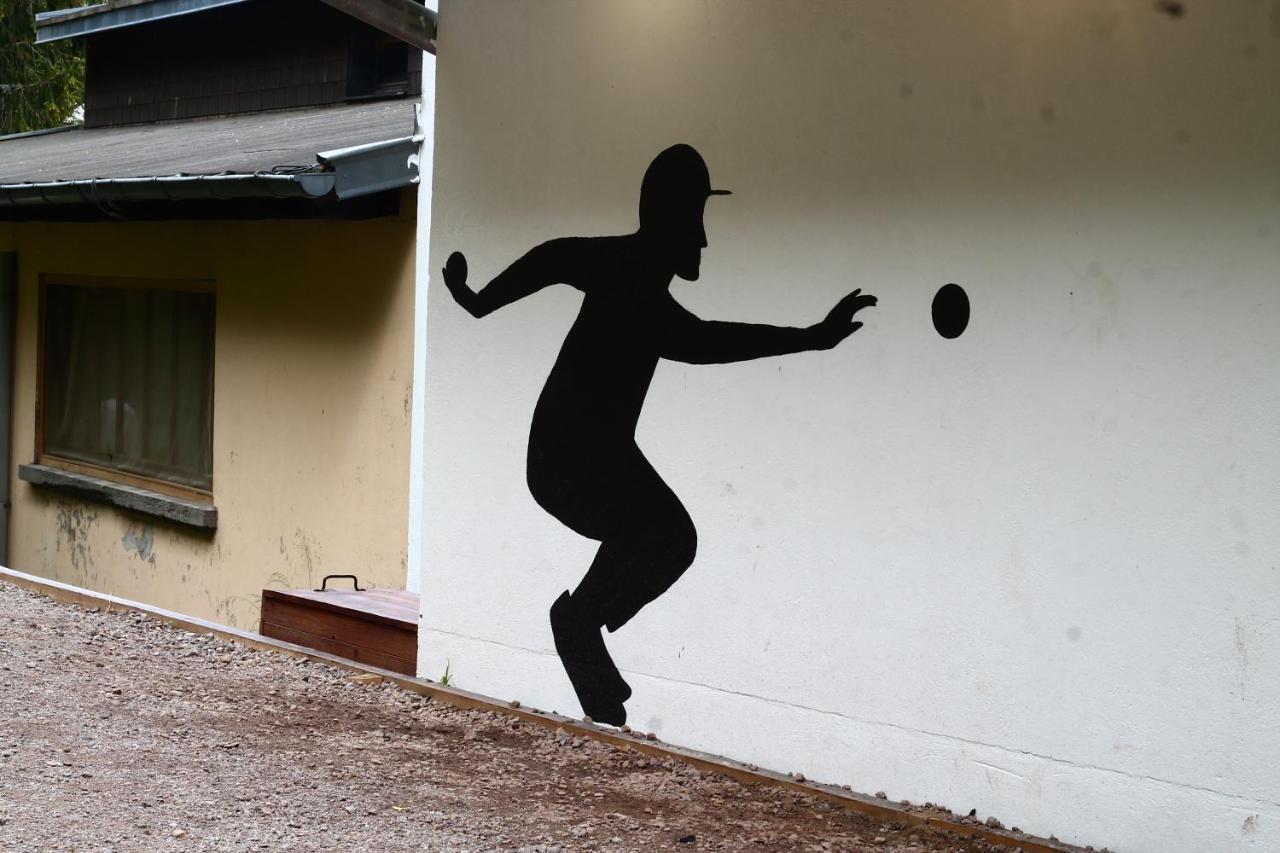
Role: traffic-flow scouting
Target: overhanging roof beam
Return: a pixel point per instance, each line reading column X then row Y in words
column 408, row 21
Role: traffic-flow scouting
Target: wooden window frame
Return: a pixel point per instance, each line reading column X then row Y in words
column 77, row 466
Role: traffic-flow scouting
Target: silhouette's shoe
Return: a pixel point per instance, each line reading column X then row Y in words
column 599, row 686
column 582, row 639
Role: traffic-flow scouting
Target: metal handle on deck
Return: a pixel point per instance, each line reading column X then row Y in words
column 355, row 581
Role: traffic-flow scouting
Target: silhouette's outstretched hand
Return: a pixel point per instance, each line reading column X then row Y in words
column 552, row 262
column 455, row 278
column 839, row 323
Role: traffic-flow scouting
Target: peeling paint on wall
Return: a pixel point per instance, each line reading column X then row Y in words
column 74, row 527
column 140, row 542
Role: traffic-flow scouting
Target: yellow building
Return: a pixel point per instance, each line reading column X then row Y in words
column 212, row 318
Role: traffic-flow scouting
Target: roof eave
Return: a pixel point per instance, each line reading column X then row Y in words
column 346, row 173
column 168, row 188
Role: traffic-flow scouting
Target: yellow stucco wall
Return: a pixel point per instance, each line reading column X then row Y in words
column 313, row 357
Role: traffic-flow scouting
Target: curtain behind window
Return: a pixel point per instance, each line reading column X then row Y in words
column 128, row 380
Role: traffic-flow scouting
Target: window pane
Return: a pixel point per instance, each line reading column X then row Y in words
column 129, row 380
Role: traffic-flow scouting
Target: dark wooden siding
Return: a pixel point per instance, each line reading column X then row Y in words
column 264, row 55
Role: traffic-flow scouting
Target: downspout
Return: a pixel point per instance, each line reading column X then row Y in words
column 8, row 316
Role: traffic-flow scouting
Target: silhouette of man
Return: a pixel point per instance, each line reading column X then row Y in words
column 583, row 463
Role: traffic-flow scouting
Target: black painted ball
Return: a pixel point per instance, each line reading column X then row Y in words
column 951, row 310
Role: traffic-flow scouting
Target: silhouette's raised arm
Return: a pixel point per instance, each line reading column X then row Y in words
column 553, row 262
column 686, row 337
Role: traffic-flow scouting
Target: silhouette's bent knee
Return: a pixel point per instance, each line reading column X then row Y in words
column 686, row 554
column 669, row 541
column 683, row 544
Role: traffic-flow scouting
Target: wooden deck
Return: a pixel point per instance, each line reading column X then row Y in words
column 378, row 627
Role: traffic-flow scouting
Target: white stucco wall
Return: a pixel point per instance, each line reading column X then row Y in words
column 1035, row 570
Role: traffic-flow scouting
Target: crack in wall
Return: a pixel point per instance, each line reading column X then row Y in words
column 1003, row 770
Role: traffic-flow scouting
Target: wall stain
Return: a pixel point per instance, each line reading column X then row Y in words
column 305, row 545
column 1244, row 637
column 1242, row 646
column 1013, row 579
column 1236, row 517
column 229, row 608
column 279, row 580
column 141, row 542
column 1103, row 27
column 74, row 525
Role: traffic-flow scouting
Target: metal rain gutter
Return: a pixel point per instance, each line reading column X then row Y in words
column 167, row 188
column 377, row 166
column 79, row 21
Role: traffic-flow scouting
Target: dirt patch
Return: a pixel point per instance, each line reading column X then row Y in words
column 120, row 733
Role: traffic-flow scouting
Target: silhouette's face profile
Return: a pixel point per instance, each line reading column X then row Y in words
column 685, row 243
column 672, row 199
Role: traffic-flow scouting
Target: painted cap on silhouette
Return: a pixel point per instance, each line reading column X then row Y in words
column 676, row 180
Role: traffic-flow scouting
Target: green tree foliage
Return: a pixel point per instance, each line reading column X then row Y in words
column 40, row 85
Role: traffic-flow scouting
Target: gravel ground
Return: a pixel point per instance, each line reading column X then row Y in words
column 120, row 733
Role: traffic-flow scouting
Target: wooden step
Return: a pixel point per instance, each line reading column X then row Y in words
column 378, row 627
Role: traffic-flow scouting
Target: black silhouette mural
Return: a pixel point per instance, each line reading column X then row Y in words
column 584, row 466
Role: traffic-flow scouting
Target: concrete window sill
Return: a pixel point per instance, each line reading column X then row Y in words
column 181, row 510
